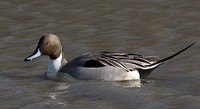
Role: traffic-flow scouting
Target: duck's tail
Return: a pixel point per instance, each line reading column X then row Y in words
column 172, row 56
column 149, row 68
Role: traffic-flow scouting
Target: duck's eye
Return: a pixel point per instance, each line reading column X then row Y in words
column 46, row 44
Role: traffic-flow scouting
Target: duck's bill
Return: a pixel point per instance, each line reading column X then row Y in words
column 35, row 54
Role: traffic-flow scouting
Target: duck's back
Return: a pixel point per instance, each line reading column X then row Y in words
column 106, row 66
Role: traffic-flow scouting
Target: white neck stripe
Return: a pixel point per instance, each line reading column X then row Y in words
column 55, row 64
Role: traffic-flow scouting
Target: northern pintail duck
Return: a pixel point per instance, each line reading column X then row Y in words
column 108, row 66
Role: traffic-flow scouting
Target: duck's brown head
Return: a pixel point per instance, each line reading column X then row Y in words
column 49, row 45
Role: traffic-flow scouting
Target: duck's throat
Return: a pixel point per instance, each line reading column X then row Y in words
column 54, row 66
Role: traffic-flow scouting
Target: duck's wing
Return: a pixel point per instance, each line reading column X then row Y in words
column 126, row 61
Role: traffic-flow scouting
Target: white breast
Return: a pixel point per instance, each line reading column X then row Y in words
column 54, row 66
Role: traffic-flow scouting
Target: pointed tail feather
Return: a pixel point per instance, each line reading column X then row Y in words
column 170, row 57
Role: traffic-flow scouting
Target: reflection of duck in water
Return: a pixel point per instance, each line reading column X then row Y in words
column 109, row 66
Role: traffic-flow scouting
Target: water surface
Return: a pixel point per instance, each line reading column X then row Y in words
column 156, row 27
